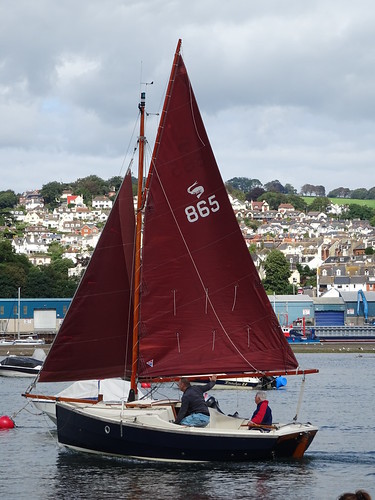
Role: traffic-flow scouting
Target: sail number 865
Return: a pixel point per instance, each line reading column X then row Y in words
column 202, row 209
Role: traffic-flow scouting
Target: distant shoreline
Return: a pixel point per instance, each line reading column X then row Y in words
column 320, row 348
column 342, row 347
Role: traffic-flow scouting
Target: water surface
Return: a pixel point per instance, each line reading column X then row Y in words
column 339, row 400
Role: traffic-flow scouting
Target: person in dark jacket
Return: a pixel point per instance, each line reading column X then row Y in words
column 263, row 414
column 194, row 411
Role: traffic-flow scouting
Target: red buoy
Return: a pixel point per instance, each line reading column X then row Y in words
column 6, row 422
column 145, row 385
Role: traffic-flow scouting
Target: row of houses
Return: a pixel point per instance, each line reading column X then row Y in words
column 71, row 224
column 32, row 200
column 335, row 249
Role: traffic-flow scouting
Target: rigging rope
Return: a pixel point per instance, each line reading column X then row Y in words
column 131, row 141
column 155, row 170
column 300, row 397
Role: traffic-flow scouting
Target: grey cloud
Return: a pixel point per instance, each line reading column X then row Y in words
column 286, row 88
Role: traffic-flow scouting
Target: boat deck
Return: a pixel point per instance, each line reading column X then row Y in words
column 162, row 417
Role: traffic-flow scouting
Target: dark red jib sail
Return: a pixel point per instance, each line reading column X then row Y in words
column 93, row 341
column 203, row 307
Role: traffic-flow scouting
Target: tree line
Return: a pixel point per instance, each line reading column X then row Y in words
column 253, row 189
column 87, row 187
column 51, row 281
column 245, row 188
column 275, row 194
column 355, row 194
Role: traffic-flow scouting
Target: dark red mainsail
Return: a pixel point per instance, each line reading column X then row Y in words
column 93, row 341
column 203, row 307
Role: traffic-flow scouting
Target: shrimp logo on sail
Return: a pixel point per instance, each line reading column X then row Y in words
column 203, row 208
column 196, row 190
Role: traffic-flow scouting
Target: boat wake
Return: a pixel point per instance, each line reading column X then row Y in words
column 343, row 457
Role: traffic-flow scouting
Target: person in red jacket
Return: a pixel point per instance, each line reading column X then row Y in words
column 263, row 414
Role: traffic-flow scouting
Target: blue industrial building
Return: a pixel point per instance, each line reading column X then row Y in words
column 26, row 316
column 349, row 308
column 290, row 309
column 9, row 307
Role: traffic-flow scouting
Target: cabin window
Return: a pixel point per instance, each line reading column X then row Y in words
column 24, row 310
column 15, row 310
column 64, row 310
column 2, row 310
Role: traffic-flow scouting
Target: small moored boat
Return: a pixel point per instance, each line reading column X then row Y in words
column 258, row 383
column 22, row 366
column 26, row 341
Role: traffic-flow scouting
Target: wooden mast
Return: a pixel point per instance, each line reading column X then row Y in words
column 137, row 261
column 140, row 203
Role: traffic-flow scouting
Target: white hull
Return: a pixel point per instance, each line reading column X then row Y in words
column 46, row 407
column 233, row 383
column 22, row 342
column 17, row 373
column 246, row 383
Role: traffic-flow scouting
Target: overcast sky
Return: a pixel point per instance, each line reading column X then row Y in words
column 286, row 87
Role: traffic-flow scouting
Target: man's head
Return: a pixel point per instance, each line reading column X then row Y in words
column 260, row 396
column 183, row 384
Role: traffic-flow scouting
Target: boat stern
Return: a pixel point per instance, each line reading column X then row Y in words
column 294, row 443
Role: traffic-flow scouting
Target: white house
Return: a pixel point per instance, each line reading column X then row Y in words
column 33, row 218
column 102, row 202
column 29, row 245
column 73, row 199
column 40, row 259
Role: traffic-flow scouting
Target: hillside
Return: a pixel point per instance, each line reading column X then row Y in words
column 343, row 201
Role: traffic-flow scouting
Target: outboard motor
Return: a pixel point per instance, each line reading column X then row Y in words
column 268, row 383
column 213, row 403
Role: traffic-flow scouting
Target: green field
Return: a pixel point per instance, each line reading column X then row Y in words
column 343, row 201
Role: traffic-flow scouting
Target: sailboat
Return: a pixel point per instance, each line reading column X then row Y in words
column 263, row 383
column 172, row 291
column 22, row 366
